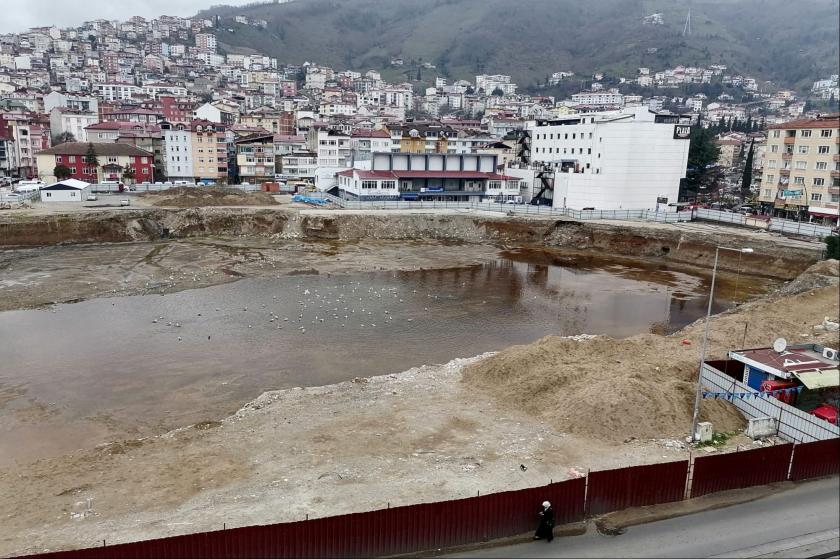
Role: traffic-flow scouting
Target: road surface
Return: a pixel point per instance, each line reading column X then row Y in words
column 801, row 522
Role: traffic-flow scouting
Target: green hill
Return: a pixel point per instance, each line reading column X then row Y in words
column 788, row 42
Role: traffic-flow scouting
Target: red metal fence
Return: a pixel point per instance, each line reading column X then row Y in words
column 449, row 523
column 815, row 459
column 740, row 469
column 381, row 532
column 612, row 490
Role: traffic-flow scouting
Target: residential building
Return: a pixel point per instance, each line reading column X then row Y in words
column 730, row 151
column 255, row 158
column 57, row 99
column 113, row 160
column 222, row 112
column 599, row 98
column 801, row 178
column 299, row 165
column 209, row 157
column 364, row 143
column 177, row 151
column 627, row 159
column 277, row 122
column 8, row 159
column 64, row 120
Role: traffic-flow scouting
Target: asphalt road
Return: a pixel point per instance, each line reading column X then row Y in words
column 801, row 522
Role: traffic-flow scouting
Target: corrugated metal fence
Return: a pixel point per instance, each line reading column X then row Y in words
column 791, row 423
column 428, row 526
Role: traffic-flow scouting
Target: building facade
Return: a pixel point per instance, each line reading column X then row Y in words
column 177, row 151
column 628, row 159
column 209, row 157
column 801, row 176
column 255, row 158
column 112, row 162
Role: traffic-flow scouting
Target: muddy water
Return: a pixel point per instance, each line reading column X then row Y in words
column 76, row 375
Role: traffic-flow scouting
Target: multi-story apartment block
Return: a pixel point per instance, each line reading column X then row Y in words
column 177, row 151
column 80, row 103
column 209, row 157
column 63, row 120
column 598, row 98
column 801, row 177
column 628, row 159
column 206, row 42
column 255, row 158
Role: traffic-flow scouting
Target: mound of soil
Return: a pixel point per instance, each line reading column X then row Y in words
column 198, row 196
column 643, row 386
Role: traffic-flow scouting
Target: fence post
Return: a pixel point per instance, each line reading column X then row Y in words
column 790, row 464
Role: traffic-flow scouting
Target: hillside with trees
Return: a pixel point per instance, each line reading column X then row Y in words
column 789, row 43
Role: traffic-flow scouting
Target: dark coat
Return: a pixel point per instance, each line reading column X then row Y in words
column 546, row 527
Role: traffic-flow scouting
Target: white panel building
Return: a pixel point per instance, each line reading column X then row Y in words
column 625, row 159
column 177, row 151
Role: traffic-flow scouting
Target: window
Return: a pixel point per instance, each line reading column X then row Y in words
column 821, row 166
column 58, row 159
column 389, row 185
column 803, row 149
column 798, row 180
column 770, row 178
column 819, row 182
column 823, row 149
column 774, row 149
column 73, row 170
column 825, row 133
column 768, row 192
column 566, row 136
column 805, row 133
column 835, row 198
column 574, row 136
column 589, row 151
column 776, row 133
column 772, row 164
column 816, row 197
column 71, row 159
column 368, row 185
column 49, row 194
column 801, row 164
column 494, row 185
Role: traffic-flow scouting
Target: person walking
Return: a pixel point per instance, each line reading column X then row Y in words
column 546, row 528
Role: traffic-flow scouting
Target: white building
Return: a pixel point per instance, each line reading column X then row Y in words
column 70, row 190
column 598, row 98
column 70, row 120
column 115, row 91
column 57, row 99
column 177, row 151
column 625, row 159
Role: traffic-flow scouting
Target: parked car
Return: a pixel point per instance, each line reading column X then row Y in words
column 91, row 198
column 125, row 202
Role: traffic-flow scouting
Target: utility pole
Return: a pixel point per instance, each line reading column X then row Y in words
column 687, row 27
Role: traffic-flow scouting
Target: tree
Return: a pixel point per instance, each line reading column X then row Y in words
column 832, row 247
column 63, row 138
column 746, row 178
column 702, row 172
column 128, row 174
column 62, row 172
column 498, row 92
column 90, row 156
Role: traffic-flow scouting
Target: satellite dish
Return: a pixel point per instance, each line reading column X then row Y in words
column 780, row 345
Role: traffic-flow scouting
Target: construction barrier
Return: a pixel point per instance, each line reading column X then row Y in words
column 612, row 490
column 737, row 470
column 816, row 459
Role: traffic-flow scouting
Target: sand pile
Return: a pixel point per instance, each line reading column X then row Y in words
column 643, row 386
column 821, row 274
column 197, row 196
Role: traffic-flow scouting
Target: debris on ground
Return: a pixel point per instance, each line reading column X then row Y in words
column 197, row 196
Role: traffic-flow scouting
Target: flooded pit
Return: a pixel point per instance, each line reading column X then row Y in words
column 75, row 375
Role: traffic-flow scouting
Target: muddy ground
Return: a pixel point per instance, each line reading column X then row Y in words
column 422, row 435
column 35, row 277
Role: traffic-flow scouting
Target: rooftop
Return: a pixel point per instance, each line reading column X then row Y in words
column 81, row 148
column 827, row 121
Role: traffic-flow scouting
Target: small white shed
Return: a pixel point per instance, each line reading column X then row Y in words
column 69, row 190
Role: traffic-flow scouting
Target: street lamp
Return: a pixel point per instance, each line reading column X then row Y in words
column 696, row 413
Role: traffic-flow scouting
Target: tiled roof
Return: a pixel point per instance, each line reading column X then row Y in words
column 829, row 121
column 81, row 148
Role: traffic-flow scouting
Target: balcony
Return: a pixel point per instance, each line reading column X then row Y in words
column 784, row 171
column 835, row 174
column 790, row 140
column 787, row 156
column 836, row 157
column 834, row 189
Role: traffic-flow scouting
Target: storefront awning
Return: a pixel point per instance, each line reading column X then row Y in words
column 827, row 378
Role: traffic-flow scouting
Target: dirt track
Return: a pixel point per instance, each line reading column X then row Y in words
column 418, row 436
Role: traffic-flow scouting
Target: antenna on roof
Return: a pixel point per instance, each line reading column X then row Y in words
column 779, row 345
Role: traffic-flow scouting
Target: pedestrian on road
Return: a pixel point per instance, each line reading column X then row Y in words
column 546, row 528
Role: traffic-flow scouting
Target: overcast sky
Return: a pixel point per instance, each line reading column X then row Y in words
column 19, row 15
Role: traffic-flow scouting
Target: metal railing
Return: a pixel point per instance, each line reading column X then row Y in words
column 777, row 224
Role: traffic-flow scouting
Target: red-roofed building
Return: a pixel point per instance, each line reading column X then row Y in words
column 113, row 161
column 430, row 176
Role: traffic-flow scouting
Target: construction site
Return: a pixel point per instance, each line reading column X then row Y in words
column 385, row 358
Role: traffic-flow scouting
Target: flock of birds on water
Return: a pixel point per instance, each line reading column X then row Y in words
column 335, row 303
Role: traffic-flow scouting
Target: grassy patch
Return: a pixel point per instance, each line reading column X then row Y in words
column 718, row 440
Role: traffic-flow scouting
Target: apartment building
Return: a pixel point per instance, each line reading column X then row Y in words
column 801, row 178
column 598, row 98
column 255, row 158
column 63, row 120
column 177, row 151
column 209, row 151
column 627, row 159
column 113, row 160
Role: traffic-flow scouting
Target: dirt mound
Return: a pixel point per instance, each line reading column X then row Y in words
column 821, row 274
column 602, row 388
column 643, row 386
column 197, row 196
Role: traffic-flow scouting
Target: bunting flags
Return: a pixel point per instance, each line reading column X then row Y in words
column 747, row 395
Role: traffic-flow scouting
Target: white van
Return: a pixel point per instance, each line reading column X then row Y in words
column 29, row 185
